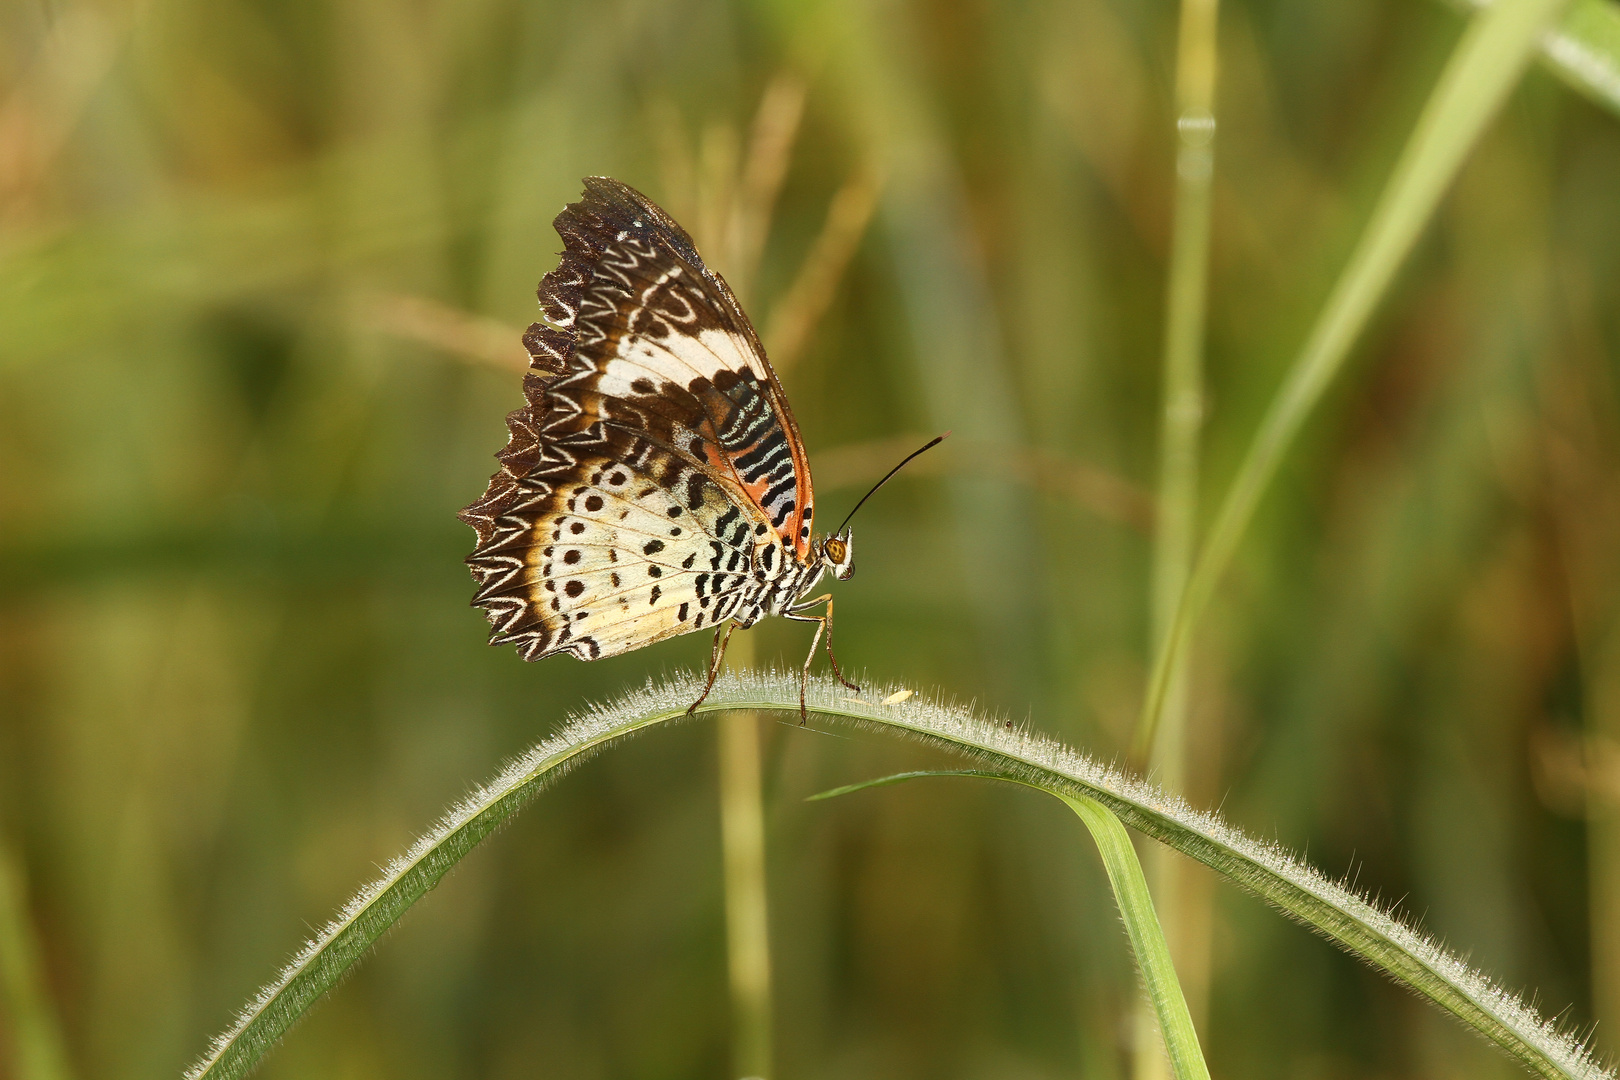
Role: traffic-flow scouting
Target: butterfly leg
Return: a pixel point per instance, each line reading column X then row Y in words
column 717, row 656
column 830, row 656
column 823, row 623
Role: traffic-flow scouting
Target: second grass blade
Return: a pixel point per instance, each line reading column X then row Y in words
column 1482, row 70
column 1136, row 910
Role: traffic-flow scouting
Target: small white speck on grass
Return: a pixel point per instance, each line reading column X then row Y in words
column 898, row 696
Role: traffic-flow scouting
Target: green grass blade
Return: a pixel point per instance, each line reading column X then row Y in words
column 1147, row 937
column 1583, row 49
column 900, row 778
column 1136, row 911
column 1483, row 68
column 1339, row 914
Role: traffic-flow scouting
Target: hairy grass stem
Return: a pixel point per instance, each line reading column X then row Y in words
column 1337, row 912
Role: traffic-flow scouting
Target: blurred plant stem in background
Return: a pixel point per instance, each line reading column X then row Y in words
column 1184, row 911
column 748, row 213
column 794, row 316
column 1081, row 484
column 48, row 101
column 1602, row 693
column 1181, row 418
column 742, row 832
column 872, row 61
column 1580, row 431
column 1483, row 68
column 460, row 333
column 28, row 1016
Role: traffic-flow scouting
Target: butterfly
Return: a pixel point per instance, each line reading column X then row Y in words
column 654, row 483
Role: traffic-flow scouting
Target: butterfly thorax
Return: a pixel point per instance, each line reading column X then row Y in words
column 777, row 593
column 781, row 594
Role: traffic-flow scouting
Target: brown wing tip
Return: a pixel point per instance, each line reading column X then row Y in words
column 609, row 207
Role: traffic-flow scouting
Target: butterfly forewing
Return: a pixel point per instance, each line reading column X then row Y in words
column 656, row 470
column 657, row 330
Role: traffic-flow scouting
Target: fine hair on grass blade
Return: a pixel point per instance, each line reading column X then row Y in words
column 1483, row 68
column 1148, row 946
column 1339, row 913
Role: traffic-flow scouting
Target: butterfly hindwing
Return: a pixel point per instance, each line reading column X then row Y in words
column 621, row 560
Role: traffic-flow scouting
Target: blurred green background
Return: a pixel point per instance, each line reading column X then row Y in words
column 262, row 268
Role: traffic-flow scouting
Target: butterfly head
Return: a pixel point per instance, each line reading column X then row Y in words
column 838, row 553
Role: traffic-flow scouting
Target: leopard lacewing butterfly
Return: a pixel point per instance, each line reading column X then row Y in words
column 654, row 482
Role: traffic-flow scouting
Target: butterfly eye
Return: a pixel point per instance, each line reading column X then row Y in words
column 836, row 551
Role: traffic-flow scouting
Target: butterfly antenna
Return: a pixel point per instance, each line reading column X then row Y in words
column 935, row 441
